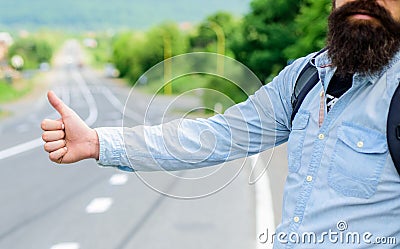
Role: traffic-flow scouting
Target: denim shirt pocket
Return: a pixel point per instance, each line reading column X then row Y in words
column 358, row 161
column 296, row 140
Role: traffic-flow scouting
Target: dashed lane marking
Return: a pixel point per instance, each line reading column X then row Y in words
column 15, row 150
column 69, row 245
column 265, row 217
column 99, row 205
column 118, row 179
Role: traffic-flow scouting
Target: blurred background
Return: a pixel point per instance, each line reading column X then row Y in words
column 92, row 53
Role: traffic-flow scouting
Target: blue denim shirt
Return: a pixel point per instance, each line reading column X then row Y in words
column 342, row 189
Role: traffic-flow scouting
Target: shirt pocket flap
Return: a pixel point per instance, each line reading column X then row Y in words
column 300, row 121
column 362, row 139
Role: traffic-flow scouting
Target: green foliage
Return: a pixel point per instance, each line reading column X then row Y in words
column 135, row 53
column 207, row 36
column 311, row 27
column 8, row 92
column 222, row 91
column 163, row 42
column 271, row 34
column 125, row 51
column 184, row 84
column 267, row 30
column 54, row 38
column 33, row 50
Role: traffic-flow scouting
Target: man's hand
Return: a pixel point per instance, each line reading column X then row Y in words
column 68, row 139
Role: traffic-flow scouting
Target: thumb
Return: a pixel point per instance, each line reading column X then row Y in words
column 57, row 103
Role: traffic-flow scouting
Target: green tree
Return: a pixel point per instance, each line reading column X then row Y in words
column 267, row 30
column 33, row 50
column 311, row 28
column 206, row 36
column 127, row 50
column 162, row 42
column 135, row 53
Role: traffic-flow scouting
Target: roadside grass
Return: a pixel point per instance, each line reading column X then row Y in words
column 215, row 93
column 10, row 92
column 179, row 86
column 15, row 91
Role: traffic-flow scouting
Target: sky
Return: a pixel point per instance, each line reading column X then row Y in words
column 97, row 14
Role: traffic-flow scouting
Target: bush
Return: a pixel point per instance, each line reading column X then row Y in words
column 34, row 51
column 135, row 53
column 224, row 92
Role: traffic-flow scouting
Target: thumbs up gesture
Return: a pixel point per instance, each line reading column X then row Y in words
column 68, row 139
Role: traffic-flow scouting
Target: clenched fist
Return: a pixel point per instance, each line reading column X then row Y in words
column 68, row 139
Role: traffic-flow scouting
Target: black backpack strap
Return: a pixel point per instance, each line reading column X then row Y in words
column 307, row 79
column 393, row 129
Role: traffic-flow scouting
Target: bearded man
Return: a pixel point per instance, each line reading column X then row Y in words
column 342, row 187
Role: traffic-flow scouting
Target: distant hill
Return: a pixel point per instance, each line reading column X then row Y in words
column 104, row 14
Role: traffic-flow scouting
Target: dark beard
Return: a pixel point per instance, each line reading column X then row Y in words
column 362, row 46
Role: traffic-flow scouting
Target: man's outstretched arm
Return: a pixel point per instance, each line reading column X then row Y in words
column 259, row 123
column 244, row 129
column 69, row 139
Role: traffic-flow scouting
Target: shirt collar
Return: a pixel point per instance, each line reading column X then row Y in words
column 323, row 61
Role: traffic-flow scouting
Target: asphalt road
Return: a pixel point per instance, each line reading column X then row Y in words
column 47, row 206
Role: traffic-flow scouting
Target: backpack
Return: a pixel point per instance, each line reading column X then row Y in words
column 308, row 78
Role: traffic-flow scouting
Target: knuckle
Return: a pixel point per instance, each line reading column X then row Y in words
column 48, row 147
column 43, row 125
column 61, row 133
column 52, row 157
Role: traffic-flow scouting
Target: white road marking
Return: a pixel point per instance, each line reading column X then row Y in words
column 15, row 150
column 99, row 205
column 118, row 179
column 121, row 107
column 264, row 209
column 93, row 112
column 70, row 245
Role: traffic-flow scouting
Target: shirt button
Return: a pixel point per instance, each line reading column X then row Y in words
column 321, row 136
column 360, row 144
column 309, row 178
column 296, row 219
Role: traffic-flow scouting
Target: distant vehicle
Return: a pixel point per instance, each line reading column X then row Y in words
column 44, row 66
column 69, row 60
column 110, row 71
column 90, row 43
